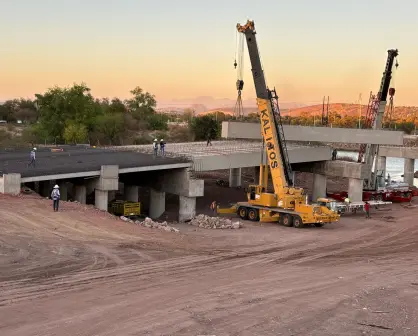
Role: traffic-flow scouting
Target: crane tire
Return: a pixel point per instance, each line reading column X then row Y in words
column 243, row 212
column 297, row 222
column 253, row 215
column 287, row 220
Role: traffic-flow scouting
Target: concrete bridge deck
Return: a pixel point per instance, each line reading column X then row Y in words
column 232, row 154
column 81, row 162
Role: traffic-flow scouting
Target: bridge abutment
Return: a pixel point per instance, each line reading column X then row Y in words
column 10, row 184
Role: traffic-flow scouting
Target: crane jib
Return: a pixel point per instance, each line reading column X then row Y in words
column 268, row 136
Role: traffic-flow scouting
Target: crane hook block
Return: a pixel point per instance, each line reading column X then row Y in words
column 391, row 92
column 240, row 84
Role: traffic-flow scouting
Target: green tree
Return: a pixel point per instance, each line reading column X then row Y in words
column 111, row 126
column 204, row 125
column 142, row 104
column 157, row 122
column 8, row 110
column 75, row 133
column 58, row 106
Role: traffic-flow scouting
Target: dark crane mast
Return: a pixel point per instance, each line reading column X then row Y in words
column 374, row 118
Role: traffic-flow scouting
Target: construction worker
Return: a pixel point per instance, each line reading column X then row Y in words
column 32, row 159
column 334, row 154
column 213, row 207
column 162, row 147
column 55, row 195
column 367, row 209
column 208, row 139
column 347, row 201
column 155, row 146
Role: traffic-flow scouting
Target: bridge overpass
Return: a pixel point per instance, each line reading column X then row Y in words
column 100, row 171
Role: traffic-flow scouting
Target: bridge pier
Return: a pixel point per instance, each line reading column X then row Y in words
column 80, row 193
column 101, row 199
column 108, row 181
column 319, row 186
column 131, row 193
column 157, row 203
column 187, row 208
column 235, row 177
column 45, row 188
column 63, row 190
column 355, row 190
column 381, row 167
column 408, row 171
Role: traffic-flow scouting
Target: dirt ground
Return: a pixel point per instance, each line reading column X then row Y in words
column 82, row 272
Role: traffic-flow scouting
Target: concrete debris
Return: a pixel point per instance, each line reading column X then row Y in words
column 149, row 223
column 208, row 222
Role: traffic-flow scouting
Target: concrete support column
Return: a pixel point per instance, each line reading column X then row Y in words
column 157, row 203
column 256, row 173
column 80, row 193
column 131, row 193
column 408, row 171
column 235, row 177
column 111, row 195
column 381, row 164
column 355, row 190
column 45, row 188
column 101, row 199
column 63, row 191
column 187, row 208
column 319, row 186
column 381, row 171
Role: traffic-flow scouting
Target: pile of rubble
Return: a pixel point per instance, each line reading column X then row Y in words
column 208, row 222
column 149, row 223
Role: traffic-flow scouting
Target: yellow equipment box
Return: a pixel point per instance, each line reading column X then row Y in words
column 125, row 208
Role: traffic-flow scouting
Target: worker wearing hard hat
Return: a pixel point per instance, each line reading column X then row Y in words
column 347, row 200
column 32, row 158
column 55, row 195
column 162, row 147
column 155, row 147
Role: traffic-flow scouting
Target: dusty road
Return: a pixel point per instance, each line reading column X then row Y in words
column 81, row 272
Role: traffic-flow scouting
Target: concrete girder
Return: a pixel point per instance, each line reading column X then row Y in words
column 242, row 130
column 336, row 169
column 399, row 152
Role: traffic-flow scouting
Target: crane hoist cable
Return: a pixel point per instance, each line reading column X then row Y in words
column 239, row 62
column 389, row 115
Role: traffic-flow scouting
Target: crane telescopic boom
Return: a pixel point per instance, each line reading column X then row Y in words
column 271, row 125
column 375, row 113
column 287, row 204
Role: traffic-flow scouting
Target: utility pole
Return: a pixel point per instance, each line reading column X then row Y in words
column 359, row 114
column 328, row 111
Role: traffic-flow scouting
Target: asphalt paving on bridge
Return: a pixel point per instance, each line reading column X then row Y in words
column 73, row 160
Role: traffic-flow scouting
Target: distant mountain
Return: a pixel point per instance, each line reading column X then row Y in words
column 208, row 103
column 349, row 110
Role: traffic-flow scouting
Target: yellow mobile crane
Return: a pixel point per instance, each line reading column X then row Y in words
column 288, row 204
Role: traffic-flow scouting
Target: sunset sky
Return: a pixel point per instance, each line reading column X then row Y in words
column 184, row 48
